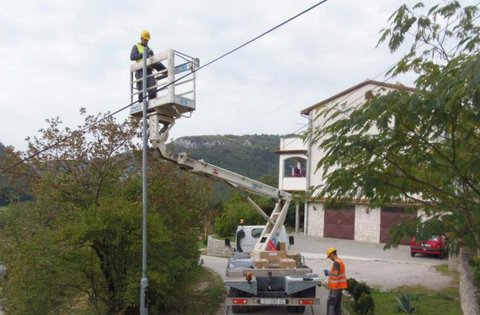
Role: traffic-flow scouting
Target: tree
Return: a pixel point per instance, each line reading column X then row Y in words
column 3, row 183
column 77, row 246
column 426, row 145
column 237, row 208
column 14, row 185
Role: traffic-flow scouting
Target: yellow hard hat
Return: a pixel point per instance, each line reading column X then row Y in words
column 330, row 251
column 145, row 35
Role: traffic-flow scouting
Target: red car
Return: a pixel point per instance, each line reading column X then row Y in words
column 434, row 246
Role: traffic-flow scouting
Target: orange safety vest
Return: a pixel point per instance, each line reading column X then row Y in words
column 340, row 281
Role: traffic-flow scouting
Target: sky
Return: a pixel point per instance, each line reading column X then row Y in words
column 58, row 56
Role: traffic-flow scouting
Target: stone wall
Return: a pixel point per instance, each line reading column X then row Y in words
column 453, row 263
column 367, row 224
column 217, row 247
column 316, row 218
column 468, row 292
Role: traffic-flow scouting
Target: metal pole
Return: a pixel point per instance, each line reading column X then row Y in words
column 297, row 217
column 144, row 280
column 308, row 172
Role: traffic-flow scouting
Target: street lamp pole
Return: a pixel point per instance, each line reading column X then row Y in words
column 144, row 279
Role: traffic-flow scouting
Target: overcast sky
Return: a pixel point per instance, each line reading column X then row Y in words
column 59, row 55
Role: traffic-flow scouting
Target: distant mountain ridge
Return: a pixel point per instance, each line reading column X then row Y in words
column 250, row 155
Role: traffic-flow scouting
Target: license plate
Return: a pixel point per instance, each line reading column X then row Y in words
column 272, row 301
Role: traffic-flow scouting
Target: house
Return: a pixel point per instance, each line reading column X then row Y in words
column 297, row 172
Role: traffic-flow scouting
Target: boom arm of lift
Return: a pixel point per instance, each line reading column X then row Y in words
column 159, row 128
column 175, row 99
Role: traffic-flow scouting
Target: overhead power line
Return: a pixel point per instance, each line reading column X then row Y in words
column 263, row 34
column 167, row 85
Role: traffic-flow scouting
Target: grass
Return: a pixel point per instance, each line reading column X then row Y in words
column 427, row 301
column 444, row 302
column 443, row 269
column 201, row 245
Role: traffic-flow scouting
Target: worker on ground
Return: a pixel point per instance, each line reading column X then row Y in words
column 137, row 55
column 337, row 281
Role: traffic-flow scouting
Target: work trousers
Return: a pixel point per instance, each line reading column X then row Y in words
column 334, row 302
column 152, row 93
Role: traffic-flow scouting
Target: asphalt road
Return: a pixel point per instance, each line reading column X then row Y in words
column 384, row 269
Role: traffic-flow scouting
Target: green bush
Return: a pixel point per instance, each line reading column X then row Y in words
column 352, row 283
column 362, row 300
column 359, row 289
column 475, row 263
column 364, row 305
column 235, row 209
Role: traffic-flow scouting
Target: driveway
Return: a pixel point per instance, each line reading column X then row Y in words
column 354, row 250
column 369, row 262
column 384, row 269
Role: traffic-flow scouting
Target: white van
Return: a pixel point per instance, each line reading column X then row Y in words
column 245, row 242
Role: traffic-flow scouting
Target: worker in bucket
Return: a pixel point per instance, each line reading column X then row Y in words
column 137, row 55
column 337, row 281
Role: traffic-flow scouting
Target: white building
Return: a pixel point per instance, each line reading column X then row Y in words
column 297, row 172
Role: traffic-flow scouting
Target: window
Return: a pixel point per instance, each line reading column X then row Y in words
column 295, row 167
column 256, row 233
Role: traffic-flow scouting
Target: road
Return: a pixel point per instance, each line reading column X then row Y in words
column 365, row 261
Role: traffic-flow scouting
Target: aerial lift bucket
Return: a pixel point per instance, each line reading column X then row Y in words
column 175, row 88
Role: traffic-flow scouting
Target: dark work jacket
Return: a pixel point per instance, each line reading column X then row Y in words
column 135, row 55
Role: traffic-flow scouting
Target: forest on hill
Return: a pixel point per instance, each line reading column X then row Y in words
column 250, row 155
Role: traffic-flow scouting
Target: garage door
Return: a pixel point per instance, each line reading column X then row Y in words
column 390, row 217
column 340, row 223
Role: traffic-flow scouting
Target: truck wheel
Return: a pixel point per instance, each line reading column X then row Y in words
column 308, row 293
column 442, row 254
column 295, row 309
column 236, row 309
column 239, row 309
column 412, row 254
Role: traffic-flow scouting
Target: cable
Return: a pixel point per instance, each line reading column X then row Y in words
column 245, row 44
column 167, row 85
column 263, row 34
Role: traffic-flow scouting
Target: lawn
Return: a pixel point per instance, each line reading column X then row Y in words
column 426, row 301
column 445, row 302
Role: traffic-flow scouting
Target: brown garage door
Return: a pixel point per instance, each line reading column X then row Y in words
column 340, row 223
column 390, row 217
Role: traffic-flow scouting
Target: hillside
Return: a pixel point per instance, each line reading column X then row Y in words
column 249, row 155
